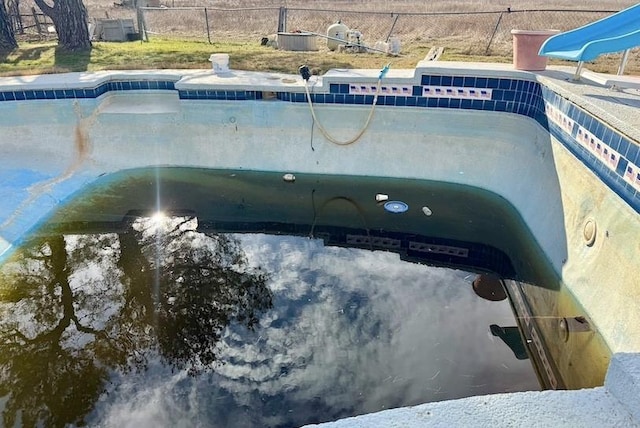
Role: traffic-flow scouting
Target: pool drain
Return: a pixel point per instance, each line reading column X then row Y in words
column 396, row 207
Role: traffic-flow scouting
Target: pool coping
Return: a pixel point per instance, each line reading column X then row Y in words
column 613, row 405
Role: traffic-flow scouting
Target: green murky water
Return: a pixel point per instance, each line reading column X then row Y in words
column 186, row 297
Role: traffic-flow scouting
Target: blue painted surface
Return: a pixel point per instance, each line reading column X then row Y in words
column 615, row 33
column 14, row 188
column 28, row 197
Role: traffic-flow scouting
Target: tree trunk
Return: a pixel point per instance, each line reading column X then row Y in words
column 70, row 19
column 7, row 37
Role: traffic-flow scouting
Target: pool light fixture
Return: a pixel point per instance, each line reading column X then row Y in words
column 396, row 207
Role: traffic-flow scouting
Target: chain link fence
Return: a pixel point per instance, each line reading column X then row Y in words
column 29, row 22
column 209, row 24
column 472, row 33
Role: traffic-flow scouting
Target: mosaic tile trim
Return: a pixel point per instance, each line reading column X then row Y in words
column 58, row 94
column 503, row 95
column 362, row 88
column 456, row 92
column 610, row 155
column 632, row 176
column 208, row 94
column 598, row 148
column 556, row 116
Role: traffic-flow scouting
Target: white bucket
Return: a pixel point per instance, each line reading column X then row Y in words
column 394, row 46
column 219, row 63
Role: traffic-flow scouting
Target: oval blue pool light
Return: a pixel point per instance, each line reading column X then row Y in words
column 396, row 207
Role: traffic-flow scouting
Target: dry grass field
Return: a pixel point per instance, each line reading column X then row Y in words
column 472, row 30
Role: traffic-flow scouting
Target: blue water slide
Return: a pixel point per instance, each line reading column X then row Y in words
column 615, row 33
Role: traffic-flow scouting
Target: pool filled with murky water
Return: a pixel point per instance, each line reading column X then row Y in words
column 188, row 297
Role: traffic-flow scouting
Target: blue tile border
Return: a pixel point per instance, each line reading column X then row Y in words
column 509, row 95
column 580, row 124
column 517, row 96
column 223, row 95
column 103, row 88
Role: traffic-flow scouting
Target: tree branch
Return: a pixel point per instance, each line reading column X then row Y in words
column 45, row 8
column 88, row 330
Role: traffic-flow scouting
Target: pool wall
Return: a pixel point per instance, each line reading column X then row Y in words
column 517, row 134
column 94, row 136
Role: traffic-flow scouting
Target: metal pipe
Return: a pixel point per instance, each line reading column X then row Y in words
column 392, row 27
column 623, row 62
column 206, row 20
column 576, row 76
column 345, row 42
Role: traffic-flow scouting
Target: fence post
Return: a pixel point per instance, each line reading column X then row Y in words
column 142, row 26
column 206, row 20
column 37, row 20
column 282, row 20
column 495, row 30
column 15, row 18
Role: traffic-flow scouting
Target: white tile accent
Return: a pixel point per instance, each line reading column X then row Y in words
column 427, row 91
column 385, row 89
column 632, row 176
column 559, row 118
column 457, row 92
column 603, row 152
column 600, row 150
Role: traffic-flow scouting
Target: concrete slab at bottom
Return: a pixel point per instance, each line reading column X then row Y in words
column 623, row 382
column 617, row 404
column 609, row 80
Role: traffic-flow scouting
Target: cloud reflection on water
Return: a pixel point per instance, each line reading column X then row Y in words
column 351, row 331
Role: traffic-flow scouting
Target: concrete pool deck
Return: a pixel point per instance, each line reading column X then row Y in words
column 617, row 403
column 613, row 405
column 618, row 105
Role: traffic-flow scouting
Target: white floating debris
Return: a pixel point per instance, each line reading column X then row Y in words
column 380, row 197
column 289, row 178
column 427, row 211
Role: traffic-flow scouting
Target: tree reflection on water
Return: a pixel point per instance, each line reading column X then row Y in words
column 73, row 308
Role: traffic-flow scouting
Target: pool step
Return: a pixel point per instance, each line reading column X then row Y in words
column 142, row 103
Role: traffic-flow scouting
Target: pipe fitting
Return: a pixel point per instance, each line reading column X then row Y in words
column 589, row 232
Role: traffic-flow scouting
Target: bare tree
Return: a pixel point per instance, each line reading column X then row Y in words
column 70, row 20
column 7, row 37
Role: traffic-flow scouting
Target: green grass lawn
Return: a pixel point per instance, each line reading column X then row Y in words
column 43, row 57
